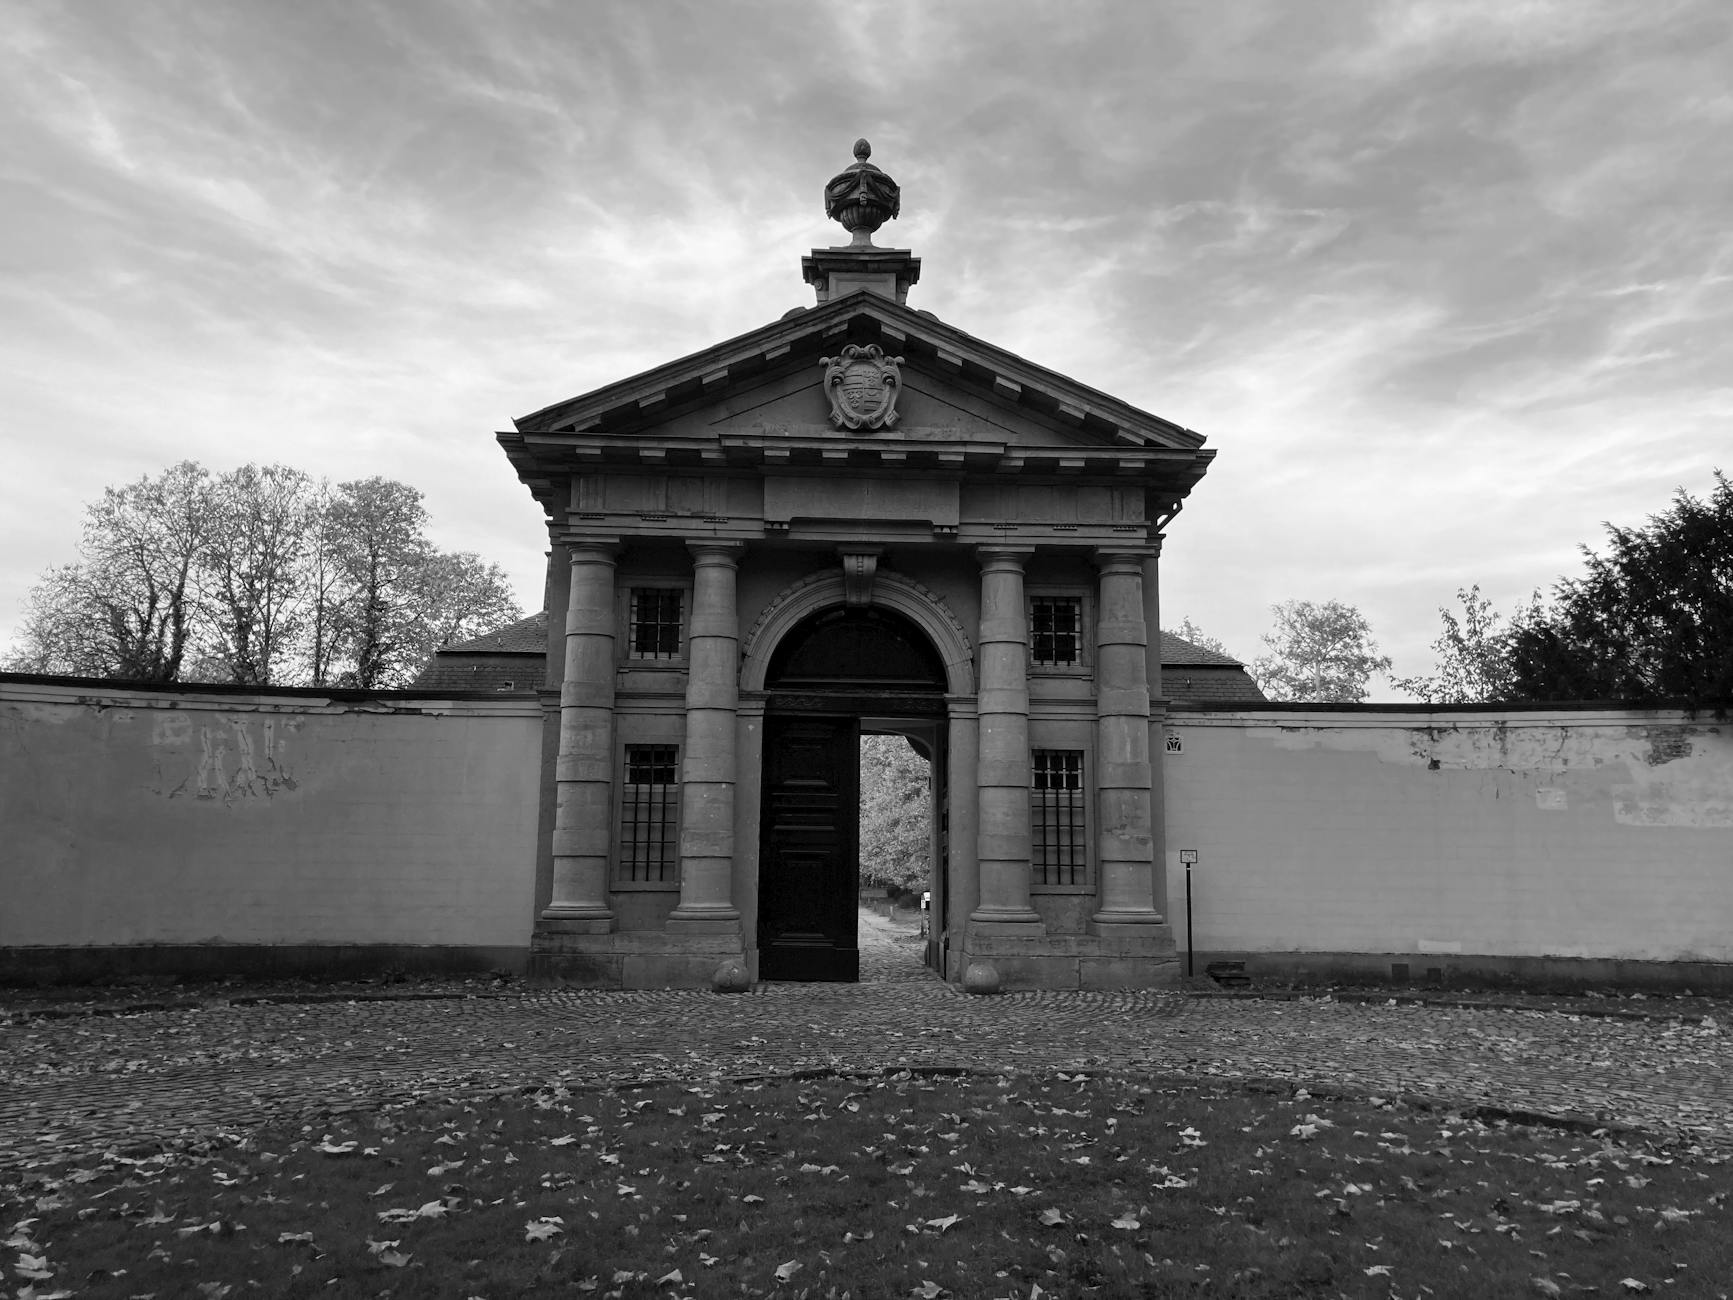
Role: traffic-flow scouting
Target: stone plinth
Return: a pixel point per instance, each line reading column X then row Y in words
column 630, row 959
column 1079, row 961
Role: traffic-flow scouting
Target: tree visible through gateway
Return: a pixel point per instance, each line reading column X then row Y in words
column 837, row 673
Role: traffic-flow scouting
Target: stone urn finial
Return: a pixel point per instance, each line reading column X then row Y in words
column 862, row 197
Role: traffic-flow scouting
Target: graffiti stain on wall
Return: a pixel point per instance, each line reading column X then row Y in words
column 224, row 761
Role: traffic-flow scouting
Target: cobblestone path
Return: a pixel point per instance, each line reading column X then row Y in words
column 72, row 1086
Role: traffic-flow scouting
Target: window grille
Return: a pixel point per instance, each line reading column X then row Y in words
column 649, row 814
column 1055, row 628
column 655, row 622
column 1058, row 844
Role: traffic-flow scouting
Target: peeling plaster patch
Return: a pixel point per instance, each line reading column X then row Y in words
column 1674, row 775
column 1667, row 744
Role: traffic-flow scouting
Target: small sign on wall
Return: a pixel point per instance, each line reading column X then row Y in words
column 1174, row 744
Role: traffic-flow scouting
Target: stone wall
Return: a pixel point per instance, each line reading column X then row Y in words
column 190, row 829
column 1550, row 844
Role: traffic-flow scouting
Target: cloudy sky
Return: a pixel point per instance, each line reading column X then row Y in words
column 1445, row 284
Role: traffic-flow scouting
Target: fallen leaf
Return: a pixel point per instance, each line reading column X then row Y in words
column 1631, row 1284
column 786, row 1271
column 672, row 1277
column 1127, row 1223
column 34, row 1267
column 944, row 1223
column 1545, row 1286
column 541, row 1230
column 1378, row 1270
column 1051, row 1217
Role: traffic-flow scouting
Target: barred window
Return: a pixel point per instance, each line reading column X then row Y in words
column 654, row 621
column 1055, row 628
column 1058, row 844
column 649, row 813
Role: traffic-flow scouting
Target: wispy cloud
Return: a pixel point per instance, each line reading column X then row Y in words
column 1446, row 283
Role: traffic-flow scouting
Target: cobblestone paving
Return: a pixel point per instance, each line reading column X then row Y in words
column 73, row 1086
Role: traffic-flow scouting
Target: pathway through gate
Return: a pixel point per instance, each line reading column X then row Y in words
column 891, row 950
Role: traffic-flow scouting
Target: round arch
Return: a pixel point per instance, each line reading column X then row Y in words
column 823, row 590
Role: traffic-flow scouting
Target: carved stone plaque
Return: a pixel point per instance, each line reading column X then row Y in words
column 862, row 384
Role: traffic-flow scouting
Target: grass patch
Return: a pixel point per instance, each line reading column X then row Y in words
column 896, row 1186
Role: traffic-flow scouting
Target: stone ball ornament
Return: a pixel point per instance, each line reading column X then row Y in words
column 731, row 977
column 982, row 978
column 862, row 197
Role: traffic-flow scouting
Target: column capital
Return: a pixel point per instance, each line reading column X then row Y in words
column 1006, row 558
column 716, row 552
column 591, row 550
column 1123, row 558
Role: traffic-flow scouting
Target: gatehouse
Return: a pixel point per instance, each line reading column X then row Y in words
column 854, row 520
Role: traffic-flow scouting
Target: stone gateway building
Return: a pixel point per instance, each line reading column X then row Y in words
column 857, row 519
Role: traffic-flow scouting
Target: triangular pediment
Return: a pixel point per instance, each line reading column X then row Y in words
column 963, row 405
column 951, row 363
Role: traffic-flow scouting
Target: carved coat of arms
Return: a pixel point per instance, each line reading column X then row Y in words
column 862, row 385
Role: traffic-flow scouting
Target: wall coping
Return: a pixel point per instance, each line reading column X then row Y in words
column 1561, row 713
column 36, row 688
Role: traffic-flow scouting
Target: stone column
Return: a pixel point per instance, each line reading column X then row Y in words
column 584, row 770
column 1002, row 772
column 707, row 770
column 962, row 887
column 1125, row 849
column 748, row 815
column 1157, row 723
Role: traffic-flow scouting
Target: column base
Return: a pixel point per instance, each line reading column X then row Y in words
column 719, row 920
column 576, row 920
column 1127, row 924
column 1021, row 922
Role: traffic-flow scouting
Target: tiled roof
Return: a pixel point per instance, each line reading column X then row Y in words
column 526, row 636
column 1176, row 651
column 513, row 658
column 475, row 672
column 1208, row 684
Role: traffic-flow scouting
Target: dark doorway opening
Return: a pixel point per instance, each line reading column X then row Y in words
column 831, row 671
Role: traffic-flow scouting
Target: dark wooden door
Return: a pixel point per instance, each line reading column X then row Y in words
column 809, row 857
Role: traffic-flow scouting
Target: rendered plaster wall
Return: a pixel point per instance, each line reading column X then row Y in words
column 132, row 817
column 1579, row 835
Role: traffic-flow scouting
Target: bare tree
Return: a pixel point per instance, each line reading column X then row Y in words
column 253, row 573
column 380, row 546
column 127, row 608
column 63, row 630
column 461, row 596
column 1319, row 652
column 258, row 576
